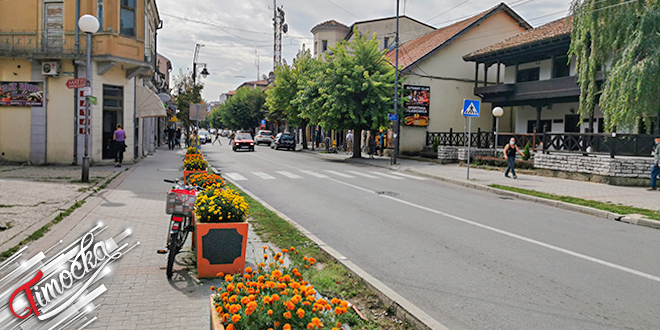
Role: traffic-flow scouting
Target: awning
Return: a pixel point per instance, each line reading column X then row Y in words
column 148, row 104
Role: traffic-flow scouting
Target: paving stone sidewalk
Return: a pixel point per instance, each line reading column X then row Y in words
column 631, row 196
column 139, row 295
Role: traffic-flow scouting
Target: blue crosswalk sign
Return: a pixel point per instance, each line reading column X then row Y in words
column 471, row 108
column 392, row 116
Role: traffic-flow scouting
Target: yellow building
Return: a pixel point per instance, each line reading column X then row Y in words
column 40, row 50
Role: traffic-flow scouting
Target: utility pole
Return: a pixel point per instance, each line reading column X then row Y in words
column 396, row 86
column 256, row 61
column 279, row 27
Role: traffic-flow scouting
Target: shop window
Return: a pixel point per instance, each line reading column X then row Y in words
column 99, row 13
column 127, row 27
column 528, row 74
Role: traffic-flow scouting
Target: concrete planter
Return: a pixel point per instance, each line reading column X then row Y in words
column 220, row 248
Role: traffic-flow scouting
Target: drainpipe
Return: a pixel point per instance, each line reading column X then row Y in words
column 75, row 91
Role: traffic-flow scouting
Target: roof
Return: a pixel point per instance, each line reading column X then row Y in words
column 261, row 83
column 419, row 49
column 556, row 29
column 329, row 23
column 350, row 33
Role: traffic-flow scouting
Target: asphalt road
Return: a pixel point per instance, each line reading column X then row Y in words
column 470, row 259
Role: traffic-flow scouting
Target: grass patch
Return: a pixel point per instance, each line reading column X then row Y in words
column 330, row 278
column 41, row 231
column 3, row 205
column 106, row 183
column 610, row 207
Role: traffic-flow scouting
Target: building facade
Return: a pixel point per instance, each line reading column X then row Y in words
column 41, row 47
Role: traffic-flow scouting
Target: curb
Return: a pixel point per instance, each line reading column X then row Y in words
column 404, row 308
column 49, row 218
column 548, row 202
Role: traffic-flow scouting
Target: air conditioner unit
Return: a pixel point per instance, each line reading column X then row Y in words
column 50, row 68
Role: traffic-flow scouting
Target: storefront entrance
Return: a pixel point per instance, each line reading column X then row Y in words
column 113, row 114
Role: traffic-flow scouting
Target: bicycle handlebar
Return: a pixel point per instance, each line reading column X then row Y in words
column 183, row 186
column 169, row 181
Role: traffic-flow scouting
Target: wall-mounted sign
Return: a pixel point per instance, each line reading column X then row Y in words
column 416, row 105
column 21, row 94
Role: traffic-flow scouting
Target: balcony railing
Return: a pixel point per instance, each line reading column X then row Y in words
column 44, row 44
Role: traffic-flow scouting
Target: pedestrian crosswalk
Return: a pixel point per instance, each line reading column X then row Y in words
column 321, row 174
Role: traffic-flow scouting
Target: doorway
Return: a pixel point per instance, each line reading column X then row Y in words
column 113, row 114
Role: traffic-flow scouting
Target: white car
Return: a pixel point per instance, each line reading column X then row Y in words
column 264, row 137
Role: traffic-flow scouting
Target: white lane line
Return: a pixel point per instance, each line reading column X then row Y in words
column 363, row 174
column 340, row 174
column 264, row 175
column 312, row 173
column 289, row 175
column 235, row 176
column 516, row 236
column 387, row 175
column 409, row 176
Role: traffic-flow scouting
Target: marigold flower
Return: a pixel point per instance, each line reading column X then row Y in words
column 230, row 287
column 317, row 322
column 292, row 248
column 276, row 324
column 233, row 299
column 245, row 300
column 265, row 256
column 234, row 309
column 235, row 318
column 334, row 301
column 212, row 288
column 285, row 251
column 230, row 327
column 281, row 261
column 267, row 300
column 248, row 270
column 306, row 303
column 310, row 326
column 300, row 312
column 275, row 297
column 287, row 315
column 287, row 327
column 344, row 304
column 247, row 276
column 270, row 312
column 289, row 305
column 228, row 278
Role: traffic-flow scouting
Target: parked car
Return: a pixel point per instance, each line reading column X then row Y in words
column 284, row 140
column 264, row 137
column 212, row 131
column 204, row 137
column 225, row 133
column 243, row 141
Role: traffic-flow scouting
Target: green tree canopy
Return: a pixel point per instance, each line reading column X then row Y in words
column 623, row 37
column 243, row 110
column 185, row 93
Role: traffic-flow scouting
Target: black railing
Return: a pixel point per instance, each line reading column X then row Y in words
column 56, row 44
column 613, row 144
column 482, row 139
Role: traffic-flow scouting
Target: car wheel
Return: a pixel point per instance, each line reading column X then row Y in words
column 252, row 149
column 234, row 149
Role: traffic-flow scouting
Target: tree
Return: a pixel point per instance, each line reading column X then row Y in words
column 185, row 93
column 282, row 99
column 622, row 37
column 243, row 110
column 353, row 89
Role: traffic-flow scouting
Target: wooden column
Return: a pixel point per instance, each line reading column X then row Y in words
column 515, row 77
column 498, row 72
column 485, row 74
column 476, row 74
column 538, row 119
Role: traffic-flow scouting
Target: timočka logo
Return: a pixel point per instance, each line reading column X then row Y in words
column 59, row 292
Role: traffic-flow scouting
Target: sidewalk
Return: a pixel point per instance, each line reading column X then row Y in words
column 630, row 196
column 139, row 295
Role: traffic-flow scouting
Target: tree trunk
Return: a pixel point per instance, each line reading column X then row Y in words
column 357, row 138
column 304, row 134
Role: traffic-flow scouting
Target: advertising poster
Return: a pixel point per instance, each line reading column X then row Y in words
column 416, row 105
column 21, row 94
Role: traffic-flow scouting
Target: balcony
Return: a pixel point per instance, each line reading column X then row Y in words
column 40, row 45
column 564, row 89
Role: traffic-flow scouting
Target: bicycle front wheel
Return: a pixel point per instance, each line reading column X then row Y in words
column 183, row 233
column 172, row 253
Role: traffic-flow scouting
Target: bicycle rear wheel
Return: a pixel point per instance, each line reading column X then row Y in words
column 172, row 253
column 183, row 233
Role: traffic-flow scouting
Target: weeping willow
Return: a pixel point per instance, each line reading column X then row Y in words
column 621, row 38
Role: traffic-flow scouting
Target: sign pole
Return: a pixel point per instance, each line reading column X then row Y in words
column 469, row 144
column 197, row 129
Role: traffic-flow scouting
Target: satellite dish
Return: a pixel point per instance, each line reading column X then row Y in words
column 285, row 28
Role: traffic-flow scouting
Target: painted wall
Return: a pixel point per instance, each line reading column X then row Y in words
column 332, row 35
column 408, row 30
column 61, row 111
column 447, row 94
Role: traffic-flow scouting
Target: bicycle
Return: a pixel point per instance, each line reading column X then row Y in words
column 180, row 204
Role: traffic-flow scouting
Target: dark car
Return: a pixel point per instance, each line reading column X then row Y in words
column 243, row 141
column 284, row 140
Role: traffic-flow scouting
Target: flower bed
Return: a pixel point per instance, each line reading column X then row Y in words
column 501, row 162
column 205, row 180
column 275, row 297
column 194, row 163
column 192, row 151
column 220, row 205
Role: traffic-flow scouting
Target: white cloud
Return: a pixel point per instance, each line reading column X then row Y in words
column 230, row 52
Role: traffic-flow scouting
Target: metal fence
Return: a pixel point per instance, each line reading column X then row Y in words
column 482, row 139
column 45, row 43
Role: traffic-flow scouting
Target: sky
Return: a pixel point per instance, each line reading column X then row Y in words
column 237, row 34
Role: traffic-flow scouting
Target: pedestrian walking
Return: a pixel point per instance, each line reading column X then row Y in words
column 171, row 133
column 177, row 137
column 510, row 154
column 381, row 143
column 119, row 137
column 231, row 137
column 372, row 146
column 349, row 142
column 655, row 171
column 217, row 138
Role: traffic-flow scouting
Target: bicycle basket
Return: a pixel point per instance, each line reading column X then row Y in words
column 181, row 202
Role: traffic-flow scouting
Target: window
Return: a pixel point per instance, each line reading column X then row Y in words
column 127, row 27
column 324, row 45
column 386, row 43
column 99, row 13
column 560, row 67
column 316, row 47
column 528, row 75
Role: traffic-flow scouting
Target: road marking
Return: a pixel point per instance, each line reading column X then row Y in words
column 409, row 176
column 512, row 235
column 289, row 175
column 312, row 173
column 235, row 176
column 263, row 175
column 387, row 175
column 363, row 174
column 340, row 174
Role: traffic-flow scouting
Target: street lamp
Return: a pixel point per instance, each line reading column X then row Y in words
column 205, row 73
column 90, row 25
column 497, row 112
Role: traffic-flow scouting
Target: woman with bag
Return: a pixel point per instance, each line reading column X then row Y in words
column 119, row 137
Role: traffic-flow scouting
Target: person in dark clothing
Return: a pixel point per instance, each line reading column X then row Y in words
column 372, row 146
column 655, row 171
column 177, row 136
column 510, row 155
column 170, row 137
column 119, row 137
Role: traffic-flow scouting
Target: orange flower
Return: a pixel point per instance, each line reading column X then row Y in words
column 311, row 298
column 212, row 288
column 275, row 297
column 270, row 312
column 338, row 310
column 289, row 305
column 292, row 248
column 233, row 299
column 224, row 294
column 230, row 287
column 285, row 250
column 334, row 301
column 310, row 326
column 235, row 318
column 234, row 309
column 267, row 300
column 240, row 286
column 228, row 278
column 218, row 309
column 245, row 300
column 281, row 261
column 287, row 315
column 344, row 304
column 317, row 322
column 220, row 274
column 287, row 327
column 287, row 278
column 230, row 327
column 307, row 267
column 265, row 257
column 300, row 312
column 306, row 303
column 305, row 258
column 276, row 324
column 247, row 276
column 264, row 247
column 248, row 270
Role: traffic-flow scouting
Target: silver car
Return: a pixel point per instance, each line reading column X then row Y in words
column 264, row 137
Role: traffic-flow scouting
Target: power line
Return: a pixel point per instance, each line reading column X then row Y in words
column 342, row 8
column 444, row 12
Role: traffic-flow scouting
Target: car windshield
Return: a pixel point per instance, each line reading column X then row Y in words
column 243, row 137
column 286, row 137
column 265, row 133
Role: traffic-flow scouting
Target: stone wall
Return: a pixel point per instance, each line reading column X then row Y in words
column 618, row 171
column 449, row 154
